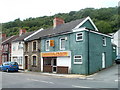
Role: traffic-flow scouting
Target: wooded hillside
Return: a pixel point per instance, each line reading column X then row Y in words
column 107, row 20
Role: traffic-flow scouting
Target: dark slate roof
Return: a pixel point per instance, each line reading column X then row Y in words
column 21, row 38
column 66, row 27
column 9, row 39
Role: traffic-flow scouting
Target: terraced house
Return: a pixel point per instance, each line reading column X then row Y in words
column 17, row 51
column 6, row 48
column 74, row 47
column 32, row 52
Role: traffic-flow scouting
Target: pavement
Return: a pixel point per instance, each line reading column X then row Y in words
column 91, row 77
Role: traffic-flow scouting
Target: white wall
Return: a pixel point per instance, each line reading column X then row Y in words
column 116, row 40
column 64, row 61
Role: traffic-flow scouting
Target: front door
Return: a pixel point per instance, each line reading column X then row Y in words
column 103, row 60
column 54, row 65
column 26, row 62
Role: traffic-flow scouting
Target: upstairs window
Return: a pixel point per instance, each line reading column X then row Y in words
column 62, row 43
column 26, row 46
column 47, row 45
column 77, row 59
column 20, row 46
column 104, row 41
column 34, row 46
column 5, row 47
column 14, row 48
column 79, row 36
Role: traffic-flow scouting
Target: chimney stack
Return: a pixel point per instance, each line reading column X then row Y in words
column 3, row 36
column 57, row 21
column 22, row 31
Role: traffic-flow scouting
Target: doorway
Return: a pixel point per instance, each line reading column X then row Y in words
column 26, row 62
column 54, row 65
column 103, row 60
column 50, row 64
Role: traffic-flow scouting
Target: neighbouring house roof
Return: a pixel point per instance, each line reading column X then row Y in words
column 9, row 39
column 66, row 27
column 21, row 38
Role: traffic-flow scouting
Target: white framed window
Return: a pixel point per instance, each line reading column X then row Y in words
column 62, row 43
column 20, row 45
column 78, row 59
column 20, row 58
column 79, row 36
column 104, row 41
column 47, row 45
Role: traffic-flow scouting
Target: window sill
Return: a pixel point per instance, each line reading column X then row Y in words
column 77, row 62
column 34, row 66
column 62, row 49
column 79, row 40
column 104, row 45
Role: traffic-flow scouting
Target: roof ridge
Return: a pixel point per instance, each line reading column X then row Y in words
column 8, row 39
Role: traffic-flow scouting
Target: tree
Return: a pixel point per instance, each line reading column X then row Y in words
column 104, row 27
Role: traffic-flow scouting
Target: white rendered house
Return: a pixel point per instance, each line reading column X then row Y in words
column 17, row 48
column 116, row 40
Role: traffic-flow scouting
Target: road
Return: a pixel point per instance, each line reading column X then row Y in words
column 104, row 79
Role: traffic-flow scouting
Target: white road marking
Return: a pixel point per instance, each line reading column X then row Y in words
column 79, row 86
column 41, row 81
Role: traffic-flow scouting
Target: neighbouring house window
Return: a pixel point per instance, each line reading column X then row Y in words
column 77, row 59
column 5, row 47
column 79, row 36
column 34, row 46
column 20, row 46
column 114, row 49
column 13, row 48
column 47, row 45
column 19, row 60
column 26, row 46
column 62, row 43
column 104, row 41
column 34, row 61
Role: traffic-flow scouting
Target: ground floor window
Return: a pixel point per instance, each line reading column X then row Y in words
column 34, row 61
column 77, row 59
column 19, row 60
column 4, row 58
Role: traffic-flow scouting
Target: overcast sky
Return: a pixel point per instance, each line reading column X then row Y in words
column 13, row 9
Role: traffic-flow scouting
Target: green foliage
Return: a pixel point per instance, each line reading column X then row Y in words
column 104, row 27
column 106, row 19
